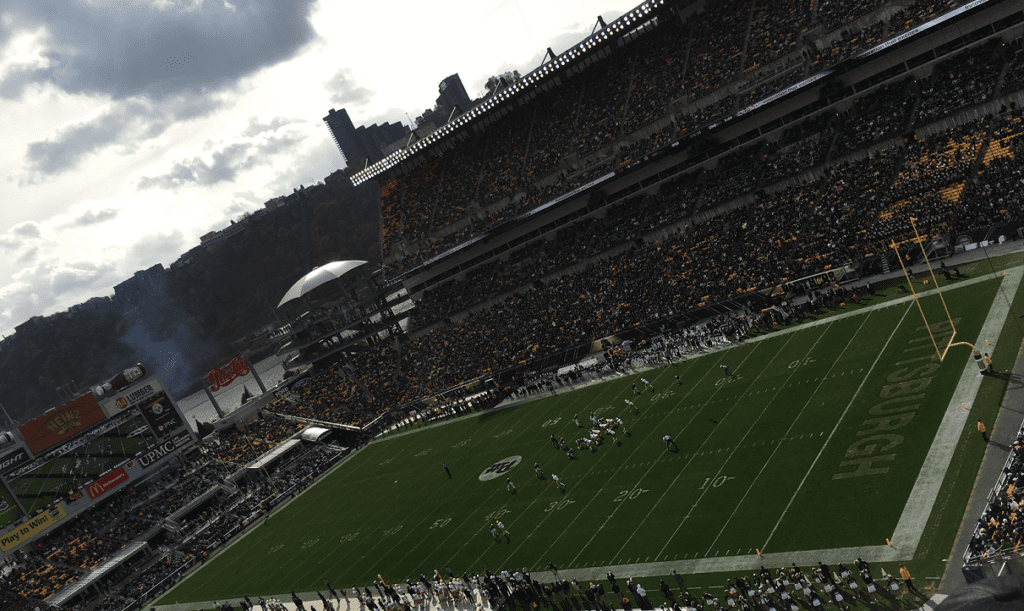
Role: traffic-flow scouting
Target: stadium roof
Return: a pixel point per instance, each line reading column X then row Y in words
column 269, row 458
column 319, row 276
column 314, row 433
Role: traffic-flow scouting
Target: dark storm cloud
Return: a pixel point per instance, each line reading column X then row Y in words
column 226, row 162
column 344, row 90
column 126, row 123
column 158, row 66
column 123, row 49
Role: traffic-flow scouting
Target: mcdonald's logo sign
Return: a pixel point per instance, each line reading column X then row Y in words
column 105, row 483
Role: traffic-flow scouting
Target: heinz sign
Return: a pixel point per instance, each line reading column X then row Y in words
column 61, row 423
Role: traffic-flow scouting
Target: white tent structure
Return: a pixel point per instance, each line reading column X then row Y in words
column 319, row 276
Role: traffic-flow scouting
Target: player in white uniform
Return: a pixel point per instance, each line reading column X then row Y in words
column 558, row 483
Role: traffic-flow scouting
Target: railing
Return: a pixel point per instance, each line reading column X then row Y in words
column 977, row 565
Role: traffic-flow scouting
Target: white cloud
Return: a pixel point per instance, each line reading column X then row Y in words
column 28, row 229
column 51, row 286
column 124, row 125
column 223, row 161
column 345, row 92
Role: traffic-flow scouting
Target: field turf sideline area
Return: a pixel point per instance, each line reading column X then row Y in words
column 822, row 443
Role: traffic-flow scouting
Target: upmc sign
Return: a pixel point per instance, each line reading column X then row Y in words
column 107, row 482
column 154, row 454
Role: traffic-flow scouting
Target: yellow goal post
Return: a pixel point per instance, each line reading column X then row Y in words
column 918, row 239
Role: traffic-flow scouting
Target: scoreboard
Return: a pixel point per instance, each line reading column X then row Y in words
column 74, row 455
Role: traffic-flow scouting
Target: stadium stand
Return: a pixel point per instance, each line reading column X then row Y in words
column 828, row 189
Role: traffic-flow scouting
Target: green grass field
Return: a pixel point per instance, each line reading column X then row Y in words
column 817, row 442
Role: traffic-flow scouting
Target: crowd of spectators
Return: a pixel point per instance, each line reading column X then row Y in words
column 565, row 290
column 966, row 79
column 833, row 14
column 1000, row 528
column 240, row 447
column 775, row 30
column 437, row 205
column 801, row 147
column 883, row 114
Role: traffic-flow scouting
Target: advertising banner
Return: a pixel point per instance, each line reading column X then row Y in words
column 23, row 533
column 133, row 395
column 165, row 448
column 13, row 460
column 61, row 423
column 161, row 415
column 222, row 377
column 109, row 481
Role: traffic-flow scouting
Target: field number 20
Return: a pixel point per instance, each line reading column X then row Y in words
column 629, row 495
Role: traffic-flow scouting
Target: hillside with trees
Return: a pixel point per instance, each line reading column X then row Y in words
column 183, row 321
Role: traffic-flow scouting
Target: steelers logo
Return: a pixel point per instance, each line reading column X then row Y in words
column 500, row 468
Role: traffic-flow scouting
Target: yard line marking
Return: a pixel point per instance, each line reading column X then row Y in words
column 768, row 460
column 637, row 485
column 497, row 491
column 765, row 368
column 764, row 546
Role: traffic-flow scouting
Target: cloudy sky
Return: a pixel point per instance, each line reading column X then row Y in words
column 132, row 127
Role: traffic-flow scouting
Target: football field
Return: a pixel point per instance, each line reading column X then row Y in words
column 826, row 440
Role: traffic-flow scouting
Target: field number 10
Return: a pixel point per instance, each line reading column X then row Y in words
column 714, row 482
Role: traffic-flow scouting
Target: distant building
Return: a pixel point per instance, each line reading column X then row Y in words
column 359, row 143
column 140, row 284
column 451, row 94
column 31, row 326
column 94, row 304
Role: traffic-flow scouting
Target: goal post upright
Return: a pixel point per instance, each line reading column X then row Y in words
column 917, row 301
column 920, row 242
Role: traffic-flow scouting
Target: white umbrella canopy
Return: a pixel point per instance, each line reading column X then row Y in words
column 319, row 275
